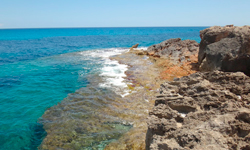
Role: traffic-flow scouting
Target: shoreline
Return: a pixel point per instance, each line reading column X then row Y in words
column 155, row 107
column 145, row 77
column 142, row 93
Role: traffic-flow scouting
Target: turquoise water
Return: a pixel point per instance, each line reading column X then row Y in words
column 40, row 67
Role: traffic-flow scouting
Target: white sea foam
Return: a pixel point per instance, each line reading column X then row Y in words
column 105, row 53
column 112, row 72
column 141, row 48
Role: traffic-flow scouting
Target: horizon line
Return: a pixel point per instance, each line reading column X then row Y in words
column 99, row 27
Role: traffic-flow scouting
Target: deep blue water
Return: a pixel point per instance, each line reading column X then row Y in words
column 39, row 67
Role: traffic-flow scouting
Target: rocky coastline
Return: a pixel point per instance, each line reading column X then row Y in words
column 182, row 95
column 203, row 99
column 209, row 109
column 144, row 77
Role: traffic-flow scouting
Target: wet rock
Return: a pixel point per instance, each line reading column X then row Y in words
column 225, row 48
column 174, row 49
column 201, row 111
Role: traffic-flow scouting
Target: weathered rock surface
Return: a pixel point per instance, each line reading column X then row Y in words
column 175, row 57
column 225, row 48
column 176, row 50
column 202, row 111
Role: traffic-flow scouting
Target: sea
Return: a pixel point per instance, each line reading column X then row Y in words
column 40, row 68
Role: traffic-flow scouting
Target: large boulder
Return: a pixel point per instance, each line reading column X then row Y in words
column 225, row 48
column 202, row 111
column 176, row 50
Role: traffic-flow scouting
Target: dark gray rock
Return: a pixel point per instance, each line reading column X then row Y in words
column 225, row 48
column 216, row 53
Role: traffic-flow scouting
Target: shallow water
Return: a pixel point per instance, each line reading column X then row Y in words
column 40, row 67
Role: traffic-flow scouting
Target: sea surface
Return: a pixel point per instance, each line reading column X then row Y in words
column 41, row 67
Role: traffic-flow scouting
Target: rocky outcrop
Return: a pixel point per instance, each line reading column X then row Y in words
column 134, row 49
column 202, row 111
column 134, row 46
column 176, row 50
column 225, row 48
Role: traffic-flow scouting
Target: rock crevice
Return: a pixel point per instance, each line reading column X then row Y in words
column 201, row 111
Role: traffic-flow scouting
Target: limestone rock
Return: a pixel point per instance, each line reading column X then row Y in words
column 174, row 49
column 225, row 48
column 201, row 111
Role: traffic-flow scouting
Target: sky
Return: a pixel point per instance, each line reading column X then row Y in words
column 122, row 13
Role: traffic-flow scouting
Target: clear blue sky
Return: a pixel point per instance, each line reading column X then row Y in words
column 122, row 13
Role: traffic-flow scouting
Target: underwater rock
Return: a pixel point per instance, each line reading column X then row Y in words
column 201, row 111
column 225, row 48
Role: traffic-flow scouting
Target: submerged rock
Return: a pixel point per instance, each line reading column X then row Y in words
column 201, row 111
column 225, row 48
column 94, row 117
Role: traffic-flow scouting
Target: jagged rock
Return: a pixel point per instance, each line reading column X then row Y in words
column 174, row 49
column 202, row 111
column 137, row 51
column 225, row 48
column 134, row 46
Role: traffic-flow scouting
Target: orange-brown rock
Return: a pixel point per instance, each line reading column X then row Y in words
column 177, row 71
column 175, row 57
column 169, row 70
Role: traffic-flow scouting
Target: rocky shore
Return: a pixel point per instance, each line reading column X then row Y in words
column 209, row 109
column 182, row 95
column 201, row 92
column 145, row 74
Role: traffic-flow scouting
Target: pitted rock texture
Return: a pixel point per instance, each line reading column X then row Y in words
column 225, row 48
column 202, row 111
column 176, row 50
